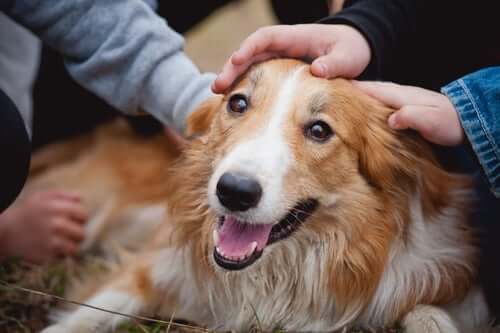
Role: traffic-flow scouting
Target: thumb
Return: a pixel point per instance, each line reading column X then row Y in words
column 331, row 65
column 336, row 63
column 411, row 116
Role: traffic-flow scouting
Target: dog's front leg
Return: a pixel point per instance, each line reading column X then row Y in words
column 129, row 294
column 429, row 319
column 87, row 320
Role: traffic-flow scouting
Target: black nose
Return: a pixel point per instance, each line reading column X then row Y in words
column 238, row 192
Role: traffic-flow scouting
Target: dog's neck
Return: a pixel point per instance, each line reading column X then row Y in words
column 433, row 248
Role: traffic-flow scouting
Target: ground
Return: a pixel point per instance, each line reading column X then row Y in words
column 24, row 312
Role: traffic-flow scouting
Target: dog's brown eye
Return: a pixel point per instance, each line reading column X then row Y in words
column 319, row 131
column 237, row 103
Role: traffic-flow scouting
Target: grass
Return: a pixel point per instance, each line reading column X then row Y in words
column 21, row 312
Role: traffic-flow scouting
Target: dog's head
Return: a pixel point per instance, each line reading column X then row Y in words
column 294, row 165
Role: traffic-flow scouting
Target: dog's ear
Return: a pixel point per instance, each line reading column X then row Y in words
column 199, row 122
column 385, row 155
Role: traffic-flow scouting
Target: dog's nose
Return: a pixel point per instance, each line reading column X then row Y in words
column 238, row 192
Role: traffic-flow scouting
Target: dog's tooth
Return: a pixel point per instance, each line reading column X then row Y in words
column 252, row 248
column 215, row 235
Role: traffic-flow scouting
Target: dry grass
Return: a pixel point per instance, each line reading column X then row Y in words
column 21, row 312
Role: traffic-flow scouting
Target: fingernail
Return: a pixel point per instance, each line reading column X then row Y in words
column 234, row 58
column 213, row 87
column 393, row 121
column 321, row 69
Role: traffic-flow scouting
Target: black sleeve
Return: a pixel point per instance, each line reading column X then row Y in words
column 386, row 24
column 15, row 149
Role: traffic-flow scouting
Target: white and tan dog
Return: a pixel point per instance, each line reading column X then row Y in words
column 298, row 208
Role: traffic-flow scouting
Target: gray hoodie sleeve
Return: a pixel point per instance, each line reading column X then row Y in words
column 120, row 50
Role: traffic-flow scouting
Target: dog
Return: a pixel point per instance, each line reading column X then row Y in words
column 112, row 169
column 296, row 207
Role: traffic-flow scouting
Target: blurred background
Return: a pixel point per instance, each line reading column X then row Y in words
column 213, row 40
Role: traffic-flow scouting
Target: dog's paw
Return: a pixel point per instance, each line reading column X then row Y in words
column 429, row 319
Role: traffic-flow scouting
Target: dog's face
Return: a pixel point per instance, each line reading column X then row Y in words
column 300, row 181
column 287, row 149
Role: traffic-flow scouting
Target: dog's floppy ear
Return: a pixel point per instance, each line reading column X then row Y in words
column 199, row 122
column 385, row 156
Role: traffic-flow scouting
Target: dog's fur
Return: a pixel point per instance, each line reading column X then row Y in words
column 117, row 173
column 389, row 240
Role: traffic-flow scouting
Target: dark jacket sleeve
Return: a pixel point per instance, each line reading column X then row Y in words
column 16, row 148
column 386, row 24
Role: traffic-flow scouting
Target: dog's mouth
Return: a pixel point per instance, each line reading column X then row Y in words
column 239, row 244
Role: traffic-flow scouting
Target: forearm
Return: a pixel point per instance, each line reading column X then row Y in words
column 386, row 25
column 122, row 51
column 476, row 98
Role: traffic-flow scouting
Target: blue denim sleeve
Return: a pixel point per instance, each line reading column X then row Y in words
column 476, row 98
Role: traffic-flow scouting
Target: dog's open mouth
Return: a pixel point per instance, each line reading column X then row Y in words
column 239, row 244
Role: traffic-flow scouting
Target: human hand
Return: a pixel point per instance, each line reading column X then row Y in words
column 428, row 112
column 337, row 50
column 42, row 226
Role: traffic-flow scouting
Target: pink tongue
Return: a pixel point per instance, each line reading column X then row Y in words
column 236, row 238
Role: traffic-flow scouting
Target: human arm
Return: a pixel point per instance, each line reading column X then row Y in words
column 361, row 38
column 120, row 50
column 468, row 109
column 428, row 112
column 329, row 45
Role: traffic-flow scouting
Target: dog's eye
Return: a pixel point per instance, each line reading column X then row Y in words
column 237, row 103
column 318, row 131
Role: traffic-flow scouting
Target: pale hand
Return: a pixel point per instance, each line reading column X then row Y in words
column 428, row 112
column 337, row 50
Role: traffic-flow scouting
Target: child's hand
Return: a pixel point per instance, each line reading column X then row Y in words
column 428, row 112
column 42, row 226
column 337, row 50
